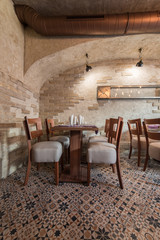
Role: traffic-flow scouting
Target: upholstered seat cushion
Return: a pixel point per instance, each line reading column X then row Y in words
column 103, row 143
column 62, row 139
column 47, row 151
column 154, row 150
column 142, row 140
column 99, row 153
column 98, row 139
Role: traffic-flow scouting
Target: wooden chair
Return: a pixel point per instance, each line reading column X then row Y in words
column 62, row 139
column 137, row 140
column 107, row 128
column 101, row 138
column 41, row 151
column 107, row 153
column 152, row 134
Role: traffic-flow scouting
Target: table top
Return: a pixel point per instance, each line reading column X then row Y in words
column 76, row 127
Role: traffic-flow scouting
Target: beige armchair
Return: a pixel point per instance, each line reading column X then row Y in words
column 137, row 140
column 152, row 134
column 40, row 152
column 65, row 140
column 106, row 153
column 101, row 138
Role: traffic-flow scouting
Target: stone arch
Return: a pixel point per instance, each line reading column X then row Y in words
column 100, row 49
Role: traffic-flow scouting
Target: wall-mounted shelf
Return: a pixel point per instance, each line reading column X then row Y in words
column 117, row 92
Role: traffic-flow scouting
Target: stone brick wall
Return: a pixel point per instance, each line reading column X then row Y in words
column 75, row 92
column 16, row 101
column 11, row 41
column 16, row 98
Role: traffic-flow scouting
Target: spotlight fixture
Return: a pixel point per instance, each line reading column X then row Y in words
column 140, row 63
column 88, row 67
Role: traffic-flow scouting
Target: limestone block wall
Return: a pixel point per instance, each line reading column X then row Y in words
column 16, row 98
column 16, row 101
column 11, row 41
column 75, row 92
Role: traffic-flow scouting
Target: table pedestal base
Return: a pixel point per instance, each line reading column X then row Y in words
column 66, row 177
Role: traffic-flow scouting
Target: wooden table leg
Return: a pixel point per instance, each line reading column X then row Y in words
column 74, row 173
column 75, row 153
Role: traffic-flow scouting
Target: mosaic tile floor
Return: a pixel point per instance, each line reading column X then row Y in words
column 75, row 211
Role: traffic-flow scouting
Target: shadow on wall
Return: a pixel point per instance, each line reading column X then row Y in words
column 13, row 149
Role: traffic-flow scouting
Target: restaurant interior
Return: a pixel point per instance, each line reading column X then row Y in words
column 80, row 119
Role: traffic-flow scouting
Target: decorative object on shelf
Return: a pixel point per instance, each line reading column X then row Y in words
column 128, row 92
column 103, row 92
column 88, row 67
column 140, row 62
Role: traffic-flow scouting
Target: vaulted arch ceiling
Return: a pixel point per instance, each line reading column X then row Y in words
column 100, row 49
column 123, row 47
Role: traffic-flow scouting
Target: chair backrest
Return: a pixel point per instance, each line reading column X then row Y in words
column 114, row 129
column 152, row 129
column 49, row 124
column 33, row 123
column 135, row 127
column 107, row 126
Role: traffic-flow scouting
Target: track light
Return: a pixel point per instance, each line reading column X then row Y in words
column 88, row 67
column 140, row 63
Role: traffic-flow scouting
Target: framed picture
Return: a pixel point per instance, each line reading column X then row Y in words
column 103, row 92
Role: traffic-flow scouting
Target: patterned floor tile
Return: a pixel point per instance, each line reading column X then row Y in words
column 102, row 210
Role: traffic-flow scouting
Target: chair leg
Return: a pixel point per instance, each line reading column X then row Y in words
column 62, row 161
column 38, row 166
column 119, row 171
column 57, row 173
column 146, row 162
column 119, row 175
column 130, row 152
column 88, row 173
column 28, row 171
column 139, row 151
column 139, row 156
column 113, row 168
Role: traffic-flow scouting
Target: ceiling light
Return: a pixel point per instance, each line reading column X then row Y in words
column 140, row 62
column 88, row 67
